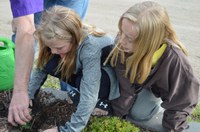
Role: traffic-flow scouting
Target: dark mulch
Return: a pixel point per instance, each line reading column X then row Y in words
column 47, row 112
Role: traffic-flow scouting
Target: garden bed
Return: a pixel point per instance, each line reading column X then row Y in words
column 45, row 114
column 49, row 111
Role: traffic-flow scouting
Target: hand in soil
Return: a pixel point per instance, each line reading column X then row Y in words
column 69, row 100
column 47, row 112
column 55, row 129
column 18, row 110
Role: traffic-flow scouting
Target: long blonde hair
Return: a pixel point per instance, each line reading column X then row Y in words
column 154, row 28
column 61, row 23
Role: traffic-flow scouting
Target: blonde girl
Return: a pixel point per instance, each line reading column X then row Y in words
column 72, row 52
column 152, row 64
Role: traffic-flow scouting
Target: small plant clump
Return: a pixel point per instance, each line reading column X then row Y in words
column 195, row 115
column 25, row 127
column 110, row 124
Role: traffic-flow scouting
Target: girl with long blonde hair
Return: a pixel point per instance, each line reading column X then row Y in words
column 72, row 52
column 151, row 62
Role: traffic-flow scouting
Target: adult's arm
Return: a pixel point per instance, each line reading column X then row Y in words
column 24, row 52
column 23, row 26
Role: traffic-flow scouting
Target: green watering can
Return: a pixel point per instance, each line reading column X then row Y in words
column 7, row 64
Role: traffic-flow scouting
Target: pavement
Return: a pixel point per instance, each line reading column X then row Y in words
column 105, row 14
column 155, row 124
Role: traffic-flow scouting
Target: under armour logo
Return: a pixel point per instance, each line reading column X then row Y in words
column 72, row 93
column 104, row 105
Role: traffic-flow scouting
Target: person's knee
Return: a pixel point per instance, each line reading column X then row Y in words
column 144, row 114
column 145, row 106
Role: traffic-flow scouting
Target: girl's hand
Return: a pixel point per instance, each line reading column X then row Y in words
column 54, row 129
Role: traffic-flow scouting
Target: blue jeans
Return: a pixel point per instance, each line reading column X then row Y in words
column 79, row 6
column 147, row 112
column 145, row 106
column 65, row 86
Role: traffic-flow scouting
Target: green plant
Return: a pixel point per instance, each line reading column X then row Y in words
column 110, row 124
column 195, row 114
column 51, row 82
column 25, row 127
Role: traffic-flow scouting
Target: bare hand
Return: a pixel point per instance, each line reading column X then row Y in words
column 55, row 129
column 19, row 113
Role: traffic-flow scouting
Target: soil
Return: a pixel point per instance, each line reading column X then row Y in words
column 47, row 112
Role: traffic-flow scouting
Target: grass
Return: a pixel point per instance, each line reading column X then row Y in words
column 195, row 117
column 51, row 82
column 110, row 124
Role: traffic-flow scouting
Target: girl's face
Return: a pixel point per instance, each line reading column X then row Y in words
column 128, row 36
column 59, row 47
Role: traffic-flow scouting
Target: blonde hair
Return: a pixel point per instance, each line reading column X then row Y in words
column 61, row 23
column 154, row 28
